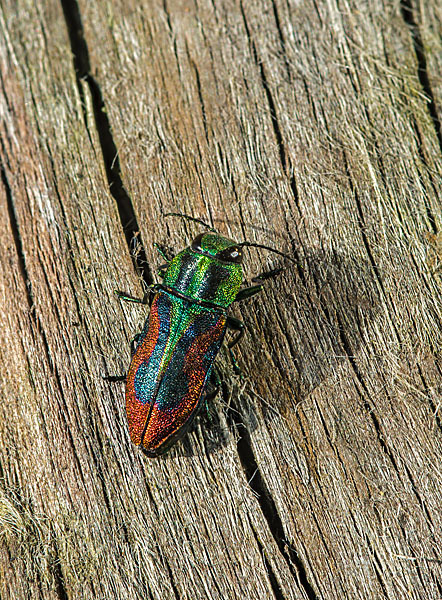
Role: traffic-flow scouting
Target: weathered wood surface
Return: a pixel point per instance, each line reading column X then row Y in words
column 310, row 126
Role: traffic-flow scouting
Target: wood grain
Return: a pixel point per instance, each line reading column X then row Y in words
column 313, row 127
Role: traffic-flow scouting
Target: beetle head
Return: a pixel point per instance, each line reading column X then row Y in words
column 217, row 246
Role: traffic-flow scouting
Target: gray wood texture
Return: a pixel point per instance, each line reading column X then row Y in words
column 311, row 126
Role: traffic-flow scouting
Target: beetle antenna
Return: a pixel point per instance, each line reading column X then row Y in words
column 189, row 218
column 251, row 244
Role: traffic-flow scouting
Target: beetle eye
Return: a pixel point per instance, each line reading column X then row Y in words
column 231, row 255
column 196, row 244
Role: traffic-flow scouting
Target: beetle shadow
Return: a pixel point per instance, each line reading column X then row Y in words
column 318, row 319
column 322, row 323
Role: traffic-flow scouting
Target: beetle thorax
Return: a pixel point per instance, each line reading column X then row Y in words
column 203, row 277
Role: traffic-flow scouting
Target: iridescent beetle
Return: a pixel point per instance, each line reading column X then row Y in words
column 172, row 363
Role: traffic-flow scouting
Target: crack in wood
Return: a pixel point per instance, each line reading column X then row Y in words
column 16, row 236
column 109, row 149
column 60, row 588
column 364, row 390
column 200, row 92
column 172, row 581
column 273, row 112
column 256, row 482
column 276, row 588
column 408, row 14
column 420, row 149
column 23, row 268
column 378, row 429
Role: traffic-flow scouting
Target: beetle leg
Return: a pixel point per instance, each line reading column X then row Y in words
column 146, row 299
column 162, row 268
column 268, row 274
column 255, row 289
column 162, row 271
column 134, row 343
column 238, row 325
column 161, row 251
column 248, row 292
column 129, row 298
column 215, row 380
column 133, row 346
column 115, row 378
column 211, row 395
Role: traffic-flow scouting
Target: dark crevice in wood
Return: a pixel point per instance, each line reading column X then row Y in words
column 276, row 588
column 153, row 507
column 241, row 214
column 268, row 507
column 57, row 573
column 418, row 497
column 74, row 455
column 68, row 236
column 399, row 215
column 172, row 582
column 378, row 571
column 177, row 57
column 200, row 96
column 298, row 264
column 232, row 182
column 199, row 91
column 79, row 64
column 147, row 593
column 101, row 478
column 16, row 235
column 349, row 353
column 420, row 574
column 347, row 349
column 361, row 224
column 167, row 13
column 270, row 100
column 420, row 149
column 296, row 389
column 408, row 15
column 281, row 39
column 377, row 426
column 369, row 408
column 38, row 580
column 273, row 112
column 22, row 266
column 109, row 150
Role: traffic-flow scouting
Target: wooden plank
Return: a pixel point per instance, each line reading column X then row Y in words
column 75, row 504
column 298, row 125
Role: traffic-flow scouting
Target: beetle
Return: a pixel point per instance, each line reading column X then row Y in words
column 172, row 360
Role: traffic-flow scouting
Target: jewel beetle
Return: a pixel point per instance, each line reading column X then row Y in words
column 172, row 361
